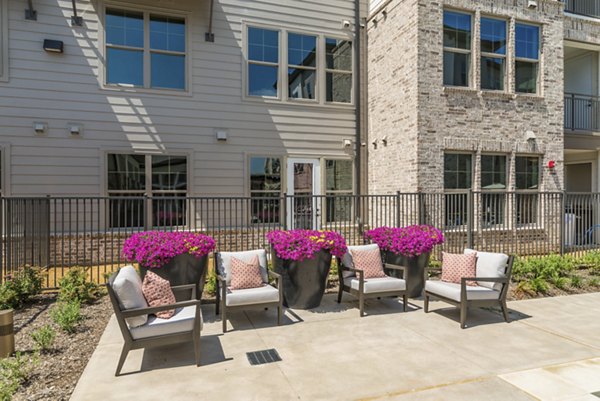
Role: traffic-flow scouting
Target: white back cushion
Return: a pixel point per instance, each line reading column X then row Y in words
column 347, row 259
column 128, row 289
column 246, row 256
column 490, row 265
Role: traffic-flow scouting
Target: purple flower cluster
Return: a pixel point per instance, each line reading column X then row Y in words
column 303, row 244
column 408, row 241
column 154, row 249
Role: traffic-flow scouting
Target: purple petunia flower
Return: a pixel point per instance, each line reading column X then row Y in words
column 409, row 241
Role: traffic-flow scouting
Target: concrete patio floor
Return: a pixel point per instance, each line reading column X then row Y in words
column 550, row 351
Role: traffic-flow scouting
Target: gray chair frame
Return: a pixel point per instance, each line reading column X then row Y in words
column 465, row 304
column 360, row 293
column 221, row 301
column 157, row 341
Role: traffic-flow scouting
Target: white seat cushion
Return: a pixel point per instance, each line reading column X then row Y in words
column 246, row 256
column 127, row 286
column 452, row 291
column 490, row 265
column 347, row 259
column 373, row 285
column 251, row 296
column 181, row 322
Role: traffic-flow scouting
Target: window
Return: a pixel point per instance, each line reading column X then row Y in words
column 457, row 177
column 527, row 170
column 493, row 178
column 132, row 60
column 493, row 53
column 302, row 66
column 338, row 187
column 263, row 62
column 527, row 52
column 163, row 178
column 265, row 189
column 3, row 40
column 457, row 48
column 338, row 56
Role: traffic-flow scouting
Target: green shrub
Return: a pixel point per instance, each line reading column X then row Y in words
column 44, row 337
column 594, row 282
column 13, row 372
column 576, row 281
column 66, row 315
column 20, row 288
column 210, row 286
column 75, row 286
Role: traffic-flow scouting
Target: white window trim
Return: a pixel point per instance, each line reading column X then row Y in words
column 146, row 10
column 470, row 51
column 3, row 40
column 504, row 56
column 538, row 82
column 282, row 90
column 5, row 189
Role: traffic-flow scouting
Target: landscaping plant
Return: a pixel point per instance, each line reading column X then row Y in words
column 66, row 315
column 299, row 245
column 409, row 241
column 20, row 288
column 75, row 286
column 44, row 337
column 15, row 371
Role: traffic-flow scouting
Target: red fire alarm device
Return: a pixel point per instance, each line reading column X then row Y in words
column 551, row 164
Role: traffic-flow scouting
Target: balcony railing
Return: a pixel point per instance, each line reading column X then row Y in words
column 590, row 8
column 582, row 112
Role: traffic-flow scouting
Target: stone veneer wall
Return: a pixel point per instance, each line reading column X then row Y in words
column 421, row 119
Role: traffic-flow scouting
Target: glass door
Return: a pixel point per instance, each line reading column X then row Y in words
column 304, row 188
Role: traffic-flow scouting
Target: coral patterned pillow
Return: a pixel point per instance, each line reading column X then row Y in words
column 158, row 292
column 456, row 266
column 369, row 261
column 245, row 274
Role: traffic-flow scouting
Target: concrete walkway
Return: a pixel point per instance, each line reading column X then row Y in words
column 550, row 351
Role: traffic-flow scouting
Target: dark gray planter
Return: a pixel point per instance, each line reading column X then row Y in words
column 303, row 282
column 181, row 270
column 415, row 271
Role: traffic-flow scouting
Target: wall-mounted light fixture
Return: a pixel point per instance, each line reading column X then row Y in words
column 530, row 136
column 532, row 4
column 75, row 129
column 384, row 141
column 346, row 143
column 221, row 135
column 53, row 46
column 40, row 128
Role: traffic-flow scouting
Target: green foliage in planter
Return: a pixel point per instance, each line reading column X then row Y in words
column 66, row 315
column 75, row 286
column 13, row 372
column 210, row 286
column 20, row 288
column 44, row 337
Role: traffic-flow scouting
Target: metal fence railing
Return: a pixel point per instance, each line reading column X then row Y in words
column 58, row 233
column 590, row 8
column 582, row 112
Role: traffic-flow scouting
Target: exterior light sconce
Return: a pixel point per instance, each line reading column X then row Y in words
column 221, row 135
column 532, row 4
column 75, row 129
column 384, row 141
column 530, row 136
column 53, row 46
column 40, row 128
column 374, row 142
column 347, row 143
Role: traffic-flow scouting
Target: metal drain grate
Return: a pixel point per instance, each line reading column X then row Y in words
column 262, row 357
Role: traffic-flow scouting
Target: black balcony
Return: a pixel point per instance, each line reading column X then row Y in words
column 590, row 8
column 582, row 112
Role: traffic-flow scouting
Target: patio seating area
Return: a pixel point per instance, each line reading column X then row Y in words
column 549, row 351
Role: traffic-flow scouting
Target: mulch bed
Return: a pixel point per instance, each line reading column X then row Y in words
column 55, row 375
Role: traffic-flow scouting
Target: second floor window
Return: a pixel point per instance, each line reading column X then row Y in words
column 493, row 53
column 457, row 48
column 263, row 62
column 338, row 54
column 145, row 50
column 302, row 66
column 527, row 49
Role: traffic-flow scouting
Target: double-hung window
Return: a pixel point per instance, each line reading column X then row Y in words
column 263, row 62
column 457, row 48
column 302, row 66
column 145, row 50
column 493, row 53
column 493, row 181
column 338, row 186
column 527, row 170
column 132, row 177
column 265, row 189
column 458, row 178
column 338, row 70
column 527, row 52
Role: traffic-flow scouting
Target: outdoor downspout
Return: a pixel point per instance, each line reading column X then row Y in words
column 357, row 100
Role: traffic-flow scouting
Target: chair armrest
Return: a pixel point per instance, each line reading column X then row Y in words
column 487, row 279
column 181, row 288
column 394, row 267
column 146, row 311
column 274, row 275
column 221, row 278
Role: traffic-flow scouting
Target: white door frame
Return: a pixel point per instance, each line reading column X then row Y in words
column 316, row 163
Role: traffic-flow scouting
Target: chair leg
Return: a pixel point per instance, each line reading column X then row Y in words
column 279, row 313
column 504, row 310
column 122, row 359
column 463, row 315
column 361, row 305
column 224, row 318
column 197, row 347
column 426, row 305
column 340, row 292
column 218, row 300
column 404, row 302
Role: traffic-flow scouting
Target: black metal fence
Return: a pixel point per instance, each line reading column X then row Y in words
column 58, row 233
column 590, row 8
column 582, row 112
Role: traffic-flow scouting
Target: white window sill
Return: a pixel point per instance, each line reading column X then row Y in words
column 146, row 91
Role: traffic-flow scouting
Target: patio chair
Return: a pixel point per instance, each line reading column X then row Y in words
column 264, row 296
column 493, row 277
column 142, row 331
column 352, row 281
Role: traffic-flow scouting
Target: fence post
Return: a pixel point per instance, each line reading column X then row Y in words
column 147, row 212
column 470, row 218
column 421, row 197
column 561, row 234
column 398, row 220
column 284, row 215
column 572, row 112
